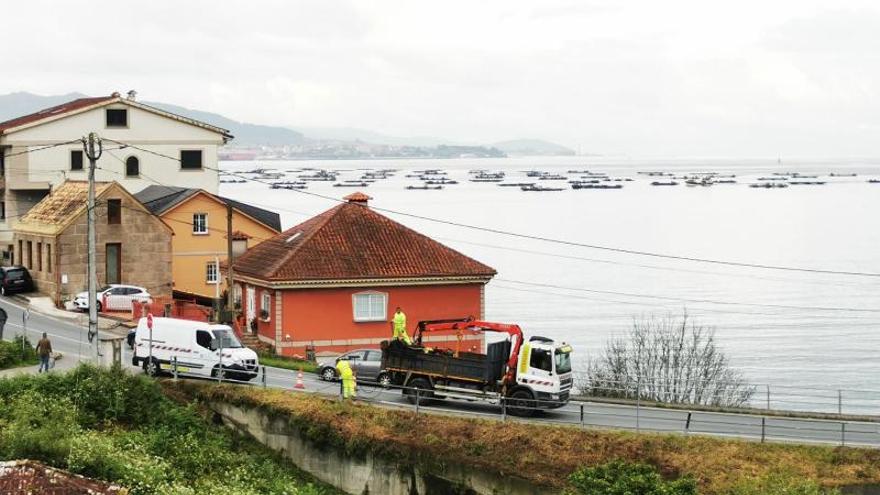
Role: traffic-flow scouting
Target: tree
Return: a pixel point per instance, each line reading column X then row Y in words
column 671, row 360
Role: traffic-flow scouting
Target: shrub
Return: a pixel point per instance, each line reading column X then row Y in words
column 36, row 426
column 621, row 478
column 19, row 352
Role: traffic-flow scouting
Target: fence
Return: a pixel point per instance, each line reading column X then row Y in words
column 768, row 397
column 167, row 306
column 587, row 415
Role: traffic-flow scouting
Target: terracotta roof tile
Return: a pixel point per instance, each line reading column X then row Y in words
column 351, row 241
column 50, row 112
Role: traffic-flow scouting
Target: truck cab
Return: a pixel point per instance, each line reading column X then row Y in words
column 544, row 367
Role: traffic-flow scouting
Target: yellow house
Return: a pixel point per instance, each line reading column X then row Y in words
column 199, row 245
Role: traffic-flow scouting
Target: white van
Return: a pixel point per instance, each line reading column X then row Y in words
column 196, row 346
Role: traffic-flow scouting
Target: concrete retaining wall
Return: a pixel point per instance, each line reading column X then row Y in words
column 368, row 474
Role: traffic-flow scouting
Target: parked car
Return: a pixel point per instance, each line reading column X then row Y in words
column 366, row 363
column 15, row 279
column 118, row 297
column 195, row 347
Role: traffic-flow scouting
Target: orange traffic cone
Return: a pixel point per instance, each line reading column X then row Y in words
column 299, row 380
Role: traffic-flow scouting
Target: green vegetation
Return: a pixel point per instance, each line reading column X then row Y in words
column 110, row 425
column 288, row 363
column 14, row 354
column 548, row 455
column 621, row 478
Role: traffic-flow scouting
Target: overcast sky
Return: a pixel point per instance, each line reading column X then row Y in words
column 643, row 78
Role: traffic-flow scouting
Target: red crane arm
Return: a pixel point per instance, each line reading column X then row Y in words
column 514, row 331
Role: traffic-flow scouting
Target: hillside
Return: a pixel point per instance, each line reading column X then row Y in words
column 533, row 147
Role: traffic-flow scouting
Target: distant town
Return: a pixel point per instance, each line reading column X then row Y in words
column 321, row 150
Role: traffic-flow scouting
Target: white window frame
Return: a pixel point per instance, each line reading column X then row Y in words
column 374, row 301
column 212, row 264
column 266, row 305
column 205, row 226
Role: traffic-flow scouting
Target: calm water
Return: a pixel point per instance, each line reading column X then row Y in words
column 831, row 227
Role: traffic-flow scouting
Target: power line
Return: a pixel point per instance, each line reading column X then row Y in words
column 550, row 239
column 698, row 301
column 31, row 150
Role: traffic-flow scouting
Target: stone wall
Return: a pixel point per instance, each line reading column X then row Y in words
column 145, row 246
column 38, row 254
column 368, row 474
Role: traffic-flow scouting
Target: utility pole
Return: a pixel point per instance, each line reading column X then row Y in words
column 93, row 149
column 230, row 298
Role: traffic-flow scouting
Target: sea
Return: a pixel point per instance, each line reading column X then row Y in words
column 811, row 338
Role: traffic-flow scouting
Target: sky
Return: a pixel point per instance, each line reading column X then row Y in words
column 638, row 78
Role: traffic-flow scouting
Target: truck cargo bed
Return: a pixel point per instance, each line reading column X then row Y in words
column 468, row 366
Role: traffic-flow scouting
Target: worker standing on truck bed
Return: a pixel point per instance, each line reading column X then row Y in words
column 347, row 376
column 399, row 327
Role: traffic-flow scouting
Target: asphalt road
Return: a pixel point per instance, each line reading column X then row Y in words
column 70, row 339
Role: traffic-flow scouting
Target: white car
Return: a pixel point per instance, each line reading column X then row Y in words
column 117, row 297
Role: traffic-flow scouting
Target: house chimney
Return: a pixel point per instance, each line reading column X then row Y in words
column 115, row 94
column 358, row 198
column 132, row 94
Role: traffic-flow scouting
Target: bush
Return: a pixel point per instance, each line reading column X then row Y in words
column 780, row 484
column 19, row 352
column 621, row 478
column 37, row 426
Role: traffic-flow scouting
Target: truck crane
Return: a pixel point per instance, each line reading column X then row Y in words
column 526, row 375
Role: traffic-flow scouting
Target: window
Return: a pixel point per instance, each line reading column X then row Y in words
column 132, row 167
column 2, row 210
column 30, row 254
column 373, row 356
column 117, row 117
column 76, row 159
column 39, row 256
column 540, row 359
column 191, row 159
column 203, row 339
column 236, row 295
column 370, row 306
column 113, row 263
column 20, row 254
column 265, row 306
column 114, row 211
column 211, row 273
column 2, row 162
column 49, row 258
column 200, row 223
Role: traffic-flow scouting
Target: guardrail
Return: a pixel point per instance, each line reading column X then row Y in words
column 589, row 415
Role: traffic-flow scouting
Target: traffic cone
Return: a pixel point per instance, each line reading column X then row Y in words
column 299, row 380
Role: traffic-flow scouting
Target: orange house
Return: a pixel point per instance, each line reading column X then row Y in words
column 199, row 246
column 334, row 281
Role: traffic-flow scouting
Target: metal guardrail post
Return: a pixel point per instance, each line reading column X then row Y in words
column 264, row 376
column 763, row 428
column 174, row 367
column 638, row 403
column 503, row 409
column 417, row 400
column 687, row 423
column 582, row 415
column 842, row 434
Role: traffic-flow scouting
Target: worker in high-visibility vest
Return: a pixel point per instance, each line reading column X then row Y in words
column 399, row 327
column 343, row 368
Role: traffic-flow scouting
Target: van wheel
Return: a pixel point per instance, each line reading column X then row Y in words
column 217, row 372
column 425, row 391
column 521, row 403
column 151, row 367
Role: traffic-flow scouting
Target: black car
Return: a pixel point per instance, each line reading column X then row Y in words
column 15, row 279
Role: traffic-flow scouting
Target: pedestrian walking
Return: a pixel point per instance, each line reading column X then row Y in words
column 44, row 351
column 3, row 317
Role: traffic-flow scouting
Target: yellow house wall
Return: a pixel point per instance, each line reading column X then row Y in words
column 192, row 252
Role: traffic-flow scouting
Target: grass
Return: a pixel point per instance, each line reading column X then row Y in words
column 17, row 353
column 548, row 455
column 288, row 363
column 121, row 428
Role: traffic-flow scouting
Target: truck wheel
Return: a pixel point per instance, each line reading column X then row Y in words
column 425, row 393
column 384, row 380
column 521, row 403
column 151, row 367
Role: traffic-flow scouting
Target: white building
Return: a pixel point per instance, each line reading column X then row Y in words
column 28, row 172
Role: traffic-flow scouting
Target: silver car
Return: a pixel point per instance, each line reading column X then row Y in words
column 366, row 363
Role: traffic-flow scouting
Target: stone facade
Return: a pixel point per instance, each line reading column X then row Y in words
column 145, row 247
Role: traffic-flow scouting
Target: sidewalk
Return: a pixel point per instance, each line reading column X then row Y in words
column 45, row 306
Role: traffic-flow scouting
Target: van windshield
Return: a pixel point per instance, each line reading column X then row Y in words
column 226, row 339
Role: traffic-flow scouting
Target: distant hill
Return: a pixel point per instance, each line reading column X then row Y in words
column 22, row 103
column 533, row 147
